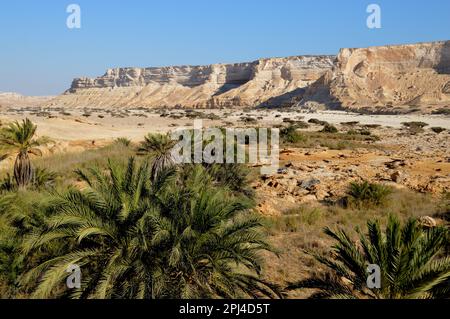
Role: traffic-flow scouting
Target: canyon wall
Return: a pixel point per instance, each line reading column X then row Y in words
column 403, row 77
column 263, row 82
column 379, row 79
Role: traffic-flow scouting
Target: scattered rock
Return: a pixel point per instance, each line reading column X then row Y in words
column 398, row 177
column 427, row 222
column 309, row 184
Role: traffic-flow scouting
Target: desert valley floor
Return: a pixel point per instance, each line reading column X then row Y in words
column 315, row 171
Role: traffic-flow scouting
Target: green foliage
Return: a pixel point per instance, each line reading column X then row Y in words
column 438, row 130
column 123, row 141
column 415, row 127
column 408, row 256
column 42, row 179
column 178, row 236
column 317, row 122
column 365, row 194
column 159, row 148
column 415, row 124
column 328, row 128
column 18, row 139
column 21, row 214
column 442, row 111
column 291, row 135
column 8, row 184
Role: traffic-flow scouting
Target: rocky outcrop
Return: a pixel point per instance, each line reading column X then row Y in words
column 386, row 78
column 263, row 82
column 399, row 78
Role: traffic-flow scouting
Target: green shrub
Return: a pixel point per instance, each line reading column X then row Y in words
column 317, row 122
column 442, row 111
column 415, row 127
column 290, row 135
column 328, row 128
column 123, row 141
column 248, row 119
column 411, row 261
column 373, row 126
column 365, row 194
column 44, row 179
column 438, row 130
column 415, row 124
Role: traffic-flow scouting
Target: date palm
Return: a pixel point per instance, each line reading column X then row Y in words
column 212, row 242
column 107, row 231
column 178, row 236
column 19, row 139
column 159, row 148
column 409, row 258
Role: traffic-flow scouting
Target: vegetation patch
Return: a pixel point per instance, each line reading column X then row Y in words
column 365, row 194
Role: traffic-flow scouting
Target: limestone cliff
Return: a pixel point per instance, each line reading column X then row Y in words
column 263, row 82
column 386, row 78
column 402, row 77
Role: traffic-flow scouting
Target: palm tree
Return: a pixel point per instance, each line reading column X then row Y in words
column 18, row 138
column 134, row 238
column 159, row 147
column 212, row 242
column 9, row 263
column 408, row 257
column 107, row 228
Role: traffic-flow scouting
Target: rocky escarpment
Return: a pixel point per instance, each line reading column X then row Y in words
column 388, row 79
column 263, row 82
column 403, row 77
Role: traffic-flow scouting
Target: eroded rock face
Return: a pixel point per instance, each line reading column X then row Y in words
column 388, row 78
column 404, row 76
column 189, row 76
column 263, row 82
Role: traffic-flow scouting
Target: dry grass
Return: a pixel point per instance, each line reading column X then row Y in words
column 64, row 164
column 333, row 141
column 301, row 229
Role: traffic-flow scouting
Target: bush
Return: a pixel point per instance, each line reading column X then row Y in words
column 438, row 130
column 300, row 124
column 415, row 124
column 317, row 122
column 290, row 135
column 373, row 126
column 442, row 111
column 123, row 141
column 365, row 194
column 42, row 179
column 328, row 128
column 415, row 127
column 248, row 119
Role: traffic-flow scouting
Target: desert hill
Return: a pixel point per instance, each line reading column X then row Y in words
column 403, row 77
column 217, row 85
column 11, row 99
column 388, row 78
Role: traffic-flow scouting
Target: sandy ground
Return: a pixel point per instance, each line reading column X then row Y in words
column 308, row 177
column 425, row 157
column 137, row 123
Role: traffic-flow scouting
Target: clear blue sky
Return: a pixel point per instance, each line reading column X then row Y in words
column 39, row 55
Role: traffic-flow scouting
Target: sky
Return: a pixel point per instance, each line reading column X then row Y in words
column 40, row 55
